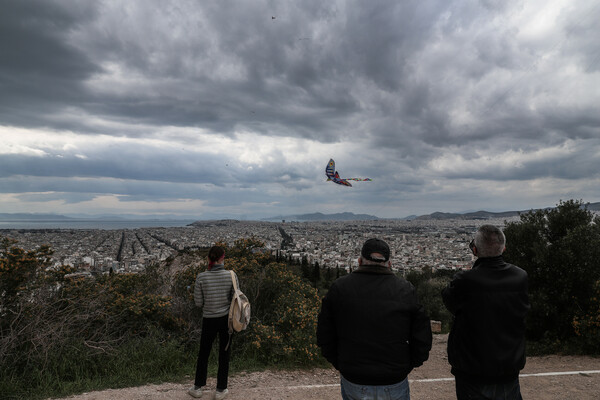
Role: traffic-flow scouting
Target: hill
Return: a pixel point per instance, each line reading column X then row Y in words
column 470, row 215
column 438, row 215
column 487, row 214
column 345, row 216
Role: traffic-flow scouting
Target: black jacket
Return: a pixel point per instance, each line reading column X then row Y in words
column 489, row 304
column 372, row 328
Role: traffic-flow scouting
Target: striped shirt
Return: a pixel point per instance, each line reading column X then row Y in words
column 214, row 291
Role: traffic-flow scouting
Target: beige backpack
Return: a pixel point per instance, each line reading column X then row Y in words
column 239, row 310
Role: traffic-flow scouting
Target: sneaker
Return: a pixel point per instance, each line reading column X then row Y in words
column 195, row 391
column 221, row 395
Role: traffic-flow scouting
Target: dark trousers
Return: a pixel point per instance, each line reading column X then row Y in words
column 210, row 328
column 466, row 390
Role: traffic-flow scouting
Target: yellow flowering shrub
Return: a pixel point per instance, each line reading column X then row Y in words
column 19, row 269
column 285, row 310
column 284, row 307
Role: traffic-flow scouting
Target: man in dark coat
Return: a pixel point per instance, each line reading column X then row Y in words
column 373, row 329
column 486, row 346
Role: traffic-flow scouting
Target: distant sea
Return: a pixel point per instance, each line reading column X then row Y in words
column 93, row 224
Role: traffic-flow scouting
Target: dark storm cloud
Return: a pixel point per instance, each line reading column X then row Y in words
column 69, row 191
column 131, row 165
column 571, row 160
column 209, row 71
column 207, row 66
column 40, row 71
column 390, row 88
column 299, row 65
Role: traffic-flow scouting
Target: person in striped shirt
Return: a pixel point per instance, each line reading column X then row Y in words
column 213, row 292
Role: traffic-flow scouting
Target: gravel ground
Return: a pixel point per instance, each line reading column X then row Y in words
column 323, row 384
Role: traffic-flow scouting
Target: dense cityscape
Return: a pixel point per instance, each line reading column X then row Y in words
column 438, row 244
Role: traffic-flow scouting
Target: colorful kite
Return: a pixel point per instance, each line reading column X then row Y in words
column 332, row 175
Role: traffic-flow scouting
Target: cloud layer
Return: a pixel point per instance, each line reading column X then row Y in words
column 232, row 109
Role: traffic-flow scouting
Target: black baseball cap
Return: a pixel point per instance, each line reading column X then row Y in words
column 375, row 246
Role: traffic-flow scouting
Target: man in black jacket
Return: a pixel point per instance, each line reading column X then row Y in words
column 373, row 329
column 486, row 346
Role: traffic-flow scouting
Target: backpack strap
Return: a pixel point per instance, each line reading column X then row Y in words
column 231, row 309
column 235, row 286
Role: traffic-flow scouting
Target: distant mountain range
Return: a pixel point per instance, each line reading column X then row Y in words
column 33, row 217
column 348, row 216
column 344, row 216
column 470, row 215
column 487, row 214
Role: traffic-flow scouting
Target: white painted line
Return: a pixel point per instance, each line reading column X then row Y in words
column 520, row 376
column 431, row 380
column 561, row 373
column 334, row 385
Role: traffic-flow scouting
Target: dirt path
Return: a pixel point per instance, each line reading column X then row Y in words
column 431, row 381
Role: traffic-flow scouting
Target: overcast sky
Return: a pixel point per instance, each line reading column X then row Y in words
column 232, row 109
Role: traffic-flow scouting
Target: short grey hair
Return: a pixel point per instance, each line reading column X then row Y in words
column 490, row 241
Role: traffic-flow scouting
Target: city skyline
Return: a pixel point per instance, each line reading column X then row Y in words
column 217, row 110
column 414, row 244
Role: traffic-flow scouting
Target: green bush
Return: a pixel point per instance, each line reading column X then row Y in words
column 587, row 324
column 284, row 307
column 429, row 286
column 62, row 334
column 286, row 331
column 560, row 250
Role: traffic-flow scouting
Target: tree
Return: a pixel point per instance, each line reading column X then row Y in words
column 316, row 274
column 328, row 277
column 429, row 286
column 560, row 250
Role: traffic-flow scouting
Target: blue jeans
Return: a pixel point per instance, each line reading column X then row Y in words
column 397, row 391
column 476, row 391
